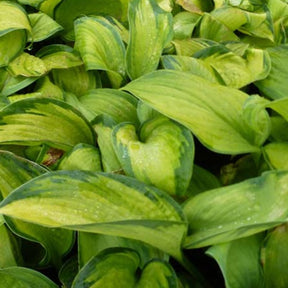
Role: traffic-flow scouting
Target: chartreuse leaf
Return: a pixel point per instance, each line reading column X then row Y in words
column 275, row 258
column 81, row 157
column 196, row 5
column 280, row 106
column 213, row 29
column 59, row 56
column 162, row 154
column 276, row 154
column 27, row 65
column 90, row 244
column 103, row 126
column 15, row 171
column 122, row 264
column 234, row 70
column 17, row 124
column 189, row 64
column 146, row 112
column 98, row 41
column 273, row 86
column 69, row 10
column 150, row 31
column 24, row 278
column 239, row 261
column 211, row 111
column 106, row 267
column 14, row 28
column 10, row 254
column 238, row 210
column 119, row 105
column 43, row 26
column 100, row 203
column 184, row 24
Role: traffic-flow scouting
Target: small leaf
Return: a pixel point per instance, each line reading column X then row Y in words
column 276, row 154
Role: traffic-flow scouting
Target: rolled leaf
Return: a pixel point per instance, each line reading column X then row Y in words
column 17, row 124
column 162, row 155
column 238, row 210
column 98, row 41
column 212, row 112
column 150, row 31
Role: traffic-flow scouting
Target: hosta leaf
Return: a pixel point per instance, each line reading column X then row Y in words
column 81, row 157
column 68, row 271
column 196, row 5
column 106, row 267
column 100, row 203
column 211, row 111
column 117, row 104
column 162, row 155
column 90, row 244
column 17, row 124
column 14, row 27
column 98, row 41
column 234, row 70
column 275, row 258
column 43, row 26
column 280, row 106
column 58, row 56
column 146, row 112
column 15, row 171
column 150, row 31
column 24, row 278
column 27, row 65
column 276, row 154
column 239, row 261
column 184, row 24
column 238, row 210
column 273, row 86
column 122, row 264
column 189, row 64
column 103, row 126
column 211, row 28
column 75, row 80
column 67, row 11
column 10, row 254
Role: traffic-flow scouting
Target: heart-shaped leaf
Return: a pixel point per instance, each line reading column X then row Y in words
column 162, row 156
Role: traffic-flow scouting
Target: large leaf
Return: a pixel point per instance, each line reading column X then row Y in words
column 15, row 171
column 211, row 111
column 150, row 31
column 162, row 154
column 98, row 42
column 237, row 210
column 239, row 261
column 17, row 124
column 24, row 278
column 100, row 203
